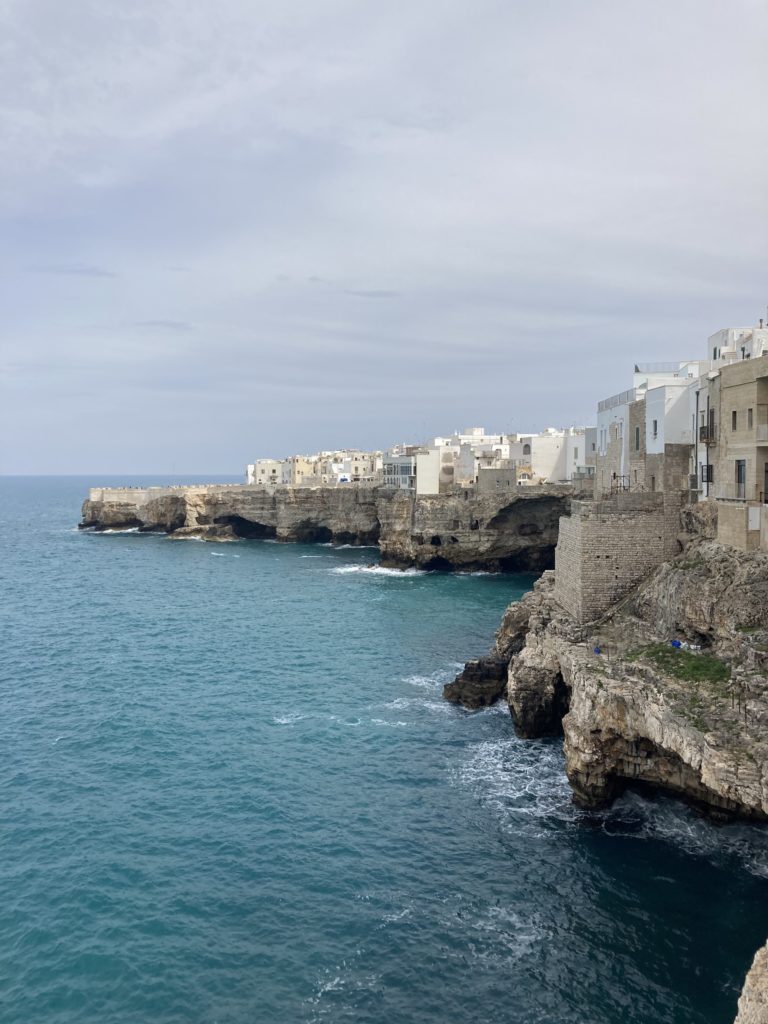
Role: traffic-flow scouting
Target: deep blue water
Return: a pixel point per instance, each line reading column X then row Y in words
column 231, row 792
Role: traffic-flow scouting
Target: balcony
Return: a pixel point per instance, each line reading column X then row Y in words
column 708, row 434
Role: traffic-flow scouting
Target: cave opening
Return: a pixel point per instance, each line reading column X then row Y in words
column 245, row 528
column 311, row 533
column 534, row 559
column 435, row 541
column 438, row 564
column 561, row 701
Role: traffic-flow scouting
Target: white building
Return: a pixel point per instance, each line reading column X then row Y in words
column 399, row 470
column 268, row 472
column 733, row 343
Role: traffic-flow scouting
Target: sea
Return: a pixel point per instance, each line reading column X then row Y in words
column 231, row 792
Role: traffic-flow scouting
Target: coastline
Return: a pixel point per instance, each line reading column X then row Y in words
column 605, row 684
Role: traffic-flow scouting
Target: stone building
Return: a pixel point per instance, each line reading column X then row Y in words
column 606, row 547
column 736, row 434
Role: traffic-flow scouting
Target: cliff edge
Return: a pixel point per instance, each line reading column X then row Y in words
column 667, row 690
column 753, row 1002
column 634, row 709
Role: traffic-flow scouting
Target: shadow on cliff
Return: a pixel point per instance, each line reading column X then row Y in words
column 245, row 528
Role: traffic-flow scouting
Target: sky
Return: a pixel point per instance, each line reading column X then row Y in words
column 235, row 229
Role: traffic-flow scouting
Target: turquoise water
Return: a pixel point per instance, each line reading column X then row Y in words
column 231, row 792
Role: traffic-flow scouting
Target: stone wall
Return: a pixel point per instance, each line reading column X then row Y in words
column 733, row 525
column 669, row 471
column 608, row 546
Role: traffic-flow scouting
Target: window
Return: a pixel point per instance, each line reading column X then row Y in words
column 653, row 483
column 741, row 478
column 749, row 419
column 714, row 353
column 655, row 430
column 526, row 449
column 734, row 419
column 637, row 439
column 576, row 453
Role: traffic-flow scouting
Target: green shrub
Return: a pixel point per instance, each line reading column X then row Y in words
column 685, row 664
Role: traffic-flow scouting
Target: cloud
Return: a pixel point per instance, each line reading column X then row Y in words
column 73, row 269
column 180, row 326
column 525, row 198
column 372, row 293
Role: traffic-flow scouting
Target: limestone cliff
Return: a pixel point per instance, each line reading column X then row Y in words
column 504, row 531
column 635, row 710
column 753, row 1002
column 512, row 531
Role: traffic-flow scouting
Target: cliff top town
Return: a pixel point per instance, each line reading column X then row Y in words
column 647, row 647
column 696, row 426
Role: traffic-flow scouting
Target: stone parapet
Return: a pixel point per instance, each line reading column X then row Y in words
column 606, row 547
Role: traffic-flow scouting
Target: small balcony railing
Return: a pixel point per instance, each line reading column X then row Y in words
column 708, row 434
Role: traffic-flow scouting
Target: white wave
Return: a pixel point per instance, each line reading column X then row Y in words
column 390, row 725
column 435, row 680
column 418, row 705
column 217, row 554
column 669, row 820
column 310, row 556
column 524, row 785
column 129, row 529
column 377, row 570
column 288, row 719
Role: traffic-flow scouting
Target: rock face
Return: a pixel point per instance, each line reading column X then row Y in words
column 501, row 532
column 505, row 532
column 479, row 684
column 753, row 1002
column 640, row 712
column 342, row 516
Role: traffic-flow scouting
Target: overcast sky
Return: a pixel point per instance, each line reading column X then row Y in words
column 232, row 229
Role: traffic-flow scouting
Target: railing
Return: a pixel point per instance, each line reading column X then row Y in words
column 623, row 398
column 657, row 368
column 708, row 434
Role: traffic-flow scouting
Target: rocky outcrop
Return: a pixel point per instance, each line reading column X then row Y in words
column 633, row 710
column 338, row 515
column 502, row 532
column 479, row 684
column 753, row 1002
column 464, row 531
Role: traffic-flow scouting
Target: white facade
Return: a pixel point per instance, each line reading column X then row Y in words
column 428, row 471
column 733, row 343
column 399, row 471
column 666, row 416
column 264, row 471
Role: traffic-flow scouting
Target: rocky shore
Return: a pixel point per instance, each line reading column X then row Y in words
column 634, row 710
column 509, row 531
